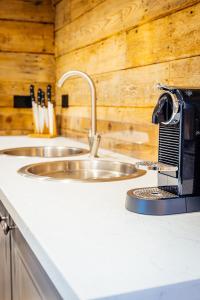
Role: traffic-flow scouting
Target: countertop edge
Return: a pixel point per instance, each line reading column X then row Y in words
column 55, row 276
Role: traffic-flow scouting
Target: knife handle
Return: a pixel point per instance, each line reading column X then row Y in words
column 49, row 93
column 42, row 98
column 32, row 92
column 39, row 96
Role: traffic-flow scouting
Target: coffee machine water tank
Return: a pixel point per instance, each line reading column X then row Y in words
column 177, row 114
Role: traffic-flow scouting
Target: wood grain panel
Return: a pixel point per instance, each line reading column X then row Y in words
column 127, row 47
column 140, row 151
column 133, row 134
column 185, row 72
column 62, row 13
column 31, row 10
column 133, row 115
column 80, row 7
column 26, row 57
column 158, row 41
column 26, row 67
column 9, row 132
column 69, row 10
column 16, row 119
column 55, row 2
column 105, row 56
column 111, row 17
column 169, row 38
column 26, row 37
column 9, row 89
column 133, row 87
column 135, row 140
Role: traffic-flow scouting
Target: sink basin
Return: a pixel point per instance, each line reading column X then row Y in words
column 46, row 151
column 93, row 170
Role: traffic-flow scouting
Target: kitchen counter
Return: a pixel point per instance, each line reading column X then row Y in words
column 90, row 245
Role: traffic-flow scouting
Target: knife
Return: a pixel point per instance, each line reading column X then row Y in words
column 34, row 108
column 39, row 98
column 50, row 110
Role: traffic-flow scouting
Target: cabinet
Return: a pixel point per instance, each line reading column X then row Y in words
column 29, row 280
column 21, row 275
column 5, row 260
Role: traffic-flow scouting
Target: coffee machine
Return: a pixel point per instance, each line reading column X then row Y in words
column 178, row 115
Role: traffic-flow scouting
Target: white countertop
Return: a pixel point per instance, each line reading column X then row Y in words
column 90, row 245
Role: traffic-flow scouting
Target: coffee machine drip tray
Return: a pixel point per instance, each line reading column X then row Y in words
column 160, row 201
column 152, row 193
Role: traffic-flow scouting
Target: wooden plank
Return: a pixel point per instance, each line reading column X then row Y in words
column 115, row 125
column 134, row 149
column 121, row 125
column 133, row 115
column 34, row 10
column 97, row 58
column 143, row 151
column 111, row 17
column 136, row 140
column 69, row 10
column 133, row 87
column 113, row 129
column 80, row 7
column 165, row 39
column 16, row 119
column 185, row 72
column 14, row 132
column 9, row 89
column 26, row 67
column 55, row 2
column 126, row 123
column 62, row 13
column 141, row 46
column 126, row 98
column 23, row 33
column 26, row 37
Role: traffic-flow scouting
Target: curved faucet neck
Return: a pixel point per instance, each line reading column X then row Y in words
column 83, row 75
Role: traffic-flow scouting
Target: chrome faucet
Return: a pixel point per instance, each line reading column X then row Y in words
column 93, row 137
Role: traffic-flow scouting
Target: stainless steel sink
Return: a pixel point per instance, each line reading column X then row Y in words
column 93, row 170
column 46, row 151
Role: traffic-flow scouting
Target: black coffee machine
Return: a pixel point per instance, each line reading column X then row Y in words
column 178, row 115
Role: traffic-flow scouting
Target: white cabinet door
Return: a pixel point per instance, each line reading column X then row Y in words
column 29, row 280
column 5, row 265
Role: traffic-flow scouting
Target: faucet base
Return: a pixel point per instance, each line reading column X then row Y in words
column 94, row 142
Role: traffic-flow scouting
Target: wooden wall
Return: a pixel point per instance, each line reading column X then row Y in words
column 127, row 46
column 26, row 56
